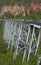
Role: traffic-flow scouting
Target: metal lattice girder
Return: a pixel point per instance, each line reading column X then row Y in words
column 8, row 31
column 26, row 42
column 37, row 44
column 17, row 42
column 31, row 43
column 23, row 36
column 34, row 43
column 13, row 35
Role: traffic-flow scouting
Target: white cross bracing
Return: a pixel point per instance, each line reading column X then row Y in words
column 22, row 36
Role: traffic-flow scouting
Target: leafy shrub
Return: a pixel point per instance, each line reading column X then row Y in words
column 3, row 46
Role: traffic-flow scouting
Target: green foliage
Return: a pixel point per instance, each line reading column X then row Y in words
column 39, row 14
column 34, row 16
column 1, row 29
column 3, row 46
column 33, row 60
column 3, row 2
column 39, row 49
column 8, row 15
column 20, row 16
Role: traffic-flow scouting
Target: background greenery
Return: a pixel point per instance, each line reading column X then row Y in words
column 33, row 15
column 2, row 2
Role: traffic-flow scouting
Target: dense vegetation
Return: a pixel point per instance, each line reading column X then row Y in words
column 34, row 16
column 6, row 56
column 2, row 2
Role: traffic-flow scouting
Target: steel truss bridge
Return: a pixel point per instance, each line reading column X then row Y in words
column 24, row 36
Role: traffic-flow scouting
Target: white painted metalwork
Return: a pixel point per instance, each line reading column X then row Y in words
column 31, row 43
column 26, row 42
column 16, row 33
column 17, row 42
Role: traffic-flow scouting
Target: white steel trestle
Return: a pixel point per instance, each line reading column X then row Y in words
column 22, row 36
